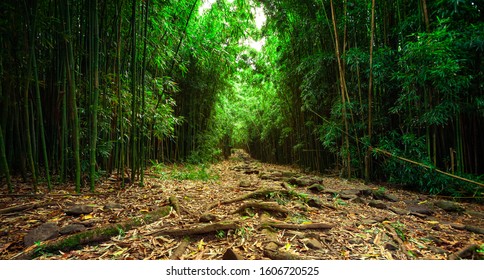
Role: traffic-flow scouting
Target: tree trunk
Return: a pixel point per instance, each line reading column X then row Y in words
column 28, row 134
column 72, row 103
column 4, row 163
column 41, row 122
column 426, row 15
column 370, row 89
column 94, row 81
column 143, row 92
column 134, row 99
column 342, row 89
column 3, row 157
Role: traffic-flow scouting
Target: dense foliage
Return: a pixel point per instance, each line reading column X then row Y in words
column 97, row 86
column 92, row 87
column 349, row 85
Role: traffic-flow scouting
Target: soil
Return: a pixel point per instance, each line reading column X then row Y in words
column 248, row 210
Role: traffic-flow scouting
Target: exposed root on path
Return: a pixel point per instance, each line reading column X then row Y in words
column 297, row 226
column 281, row 255
column 180, row 250
column 264, row 206
column 255, row 194
column 91, row 236
column 24, row 207
column 197, row 229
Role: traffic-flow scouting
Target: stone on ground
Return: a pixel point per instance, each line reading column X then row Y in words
column 78, row 210
column 449, row 206
column 41, row 233
column 73, row 228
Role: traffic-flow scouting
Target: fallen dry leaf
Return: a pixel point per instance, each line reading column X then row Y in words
column 358, row 232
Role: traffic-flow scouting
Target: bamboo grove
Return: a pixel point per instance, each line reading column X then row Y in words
column 382, row 90
column 95, row 87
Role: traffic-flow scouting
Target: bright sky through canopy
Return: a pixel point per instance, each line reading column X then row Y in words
column 207, row 4
column 260, row 19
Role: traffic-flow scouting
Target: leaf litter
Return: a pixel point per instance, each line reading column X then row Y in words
column 356, row 230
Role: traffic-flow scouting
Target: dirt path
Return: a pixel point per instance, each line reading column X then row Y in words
column 244, row 209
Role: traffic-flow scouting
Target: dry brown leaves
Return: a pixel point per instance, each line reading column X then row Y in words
column 360, row 231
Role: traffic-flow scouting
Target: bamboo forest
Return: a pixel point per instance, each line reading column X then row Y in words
column 242, row 129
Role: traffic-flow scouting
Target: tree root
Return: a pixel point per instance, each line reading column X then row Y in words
column 174, row 202
column 311, row 201
column 281, row 255
column 395, row 237
column 256, row 194
column 474, row 229
column 24, row 207
column 466, row 253
column 180, row 249
column 91, row 236
column 197, row 229
column 179, row 209
column 230, row 254
column 40, row 195
column 266, row 206
column 297, row 226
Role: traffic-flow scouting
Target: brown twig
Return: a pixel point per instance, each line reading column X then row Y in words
column 197, row 229
column 298, row 227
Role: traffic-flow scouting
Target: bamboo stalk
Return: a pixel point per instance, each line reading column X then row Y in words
column 134, row 99
column 342, row 89
column 370, row 89
column 143, row 93
column 3, row 158
column 72, row 103
column 412, row 161
column 4, row 163
column 428, row 167
column 38, row 101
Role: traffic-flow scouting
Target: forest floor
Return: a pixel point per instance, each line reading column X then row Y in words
column 242, row 209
